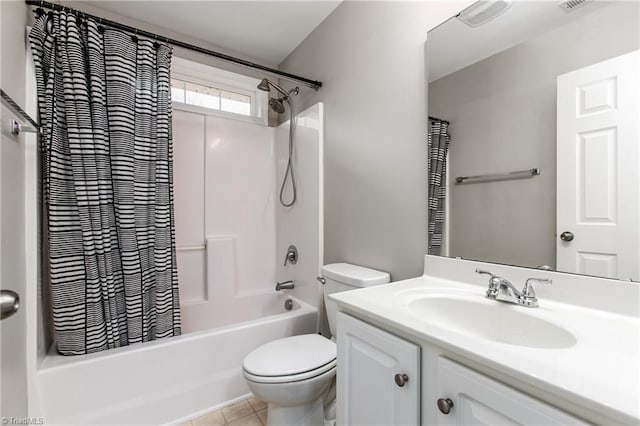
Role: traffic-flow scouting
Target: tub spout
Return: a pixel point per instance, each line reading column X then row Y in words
column 284, row 285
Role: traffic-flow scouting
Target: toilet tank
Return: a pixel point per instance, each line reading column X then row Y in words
column 344, row 277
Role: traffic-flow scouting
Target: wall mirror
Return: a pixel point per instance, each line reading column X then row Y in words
column 534, row 136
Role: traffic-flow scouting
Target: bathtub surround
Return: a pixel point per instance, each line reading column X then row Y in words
column 104, row 105
column 302, row 224
column 225, row 218
column 232, row 234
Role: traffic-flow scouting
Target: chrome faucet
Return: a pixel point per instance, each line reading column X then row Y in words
column 502, row 290
column 284, row 285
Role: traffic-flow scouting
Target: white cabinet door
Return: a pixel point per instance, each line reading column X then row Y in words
column 598, row 150
column 368, row 361
column 479, row 400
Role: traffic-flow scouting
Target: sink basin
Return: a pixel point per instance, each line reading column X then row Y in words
column 487, row 319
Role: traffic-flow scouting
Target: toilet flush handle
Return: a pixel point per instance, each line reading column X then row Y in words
column 321, row 280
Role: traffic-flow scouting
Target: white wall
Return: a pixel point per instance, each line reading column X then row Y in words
column 370, row 58
column 301, row 224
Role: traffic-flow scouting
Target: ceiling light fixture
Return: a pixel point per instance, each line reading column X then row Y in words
column 483, row 11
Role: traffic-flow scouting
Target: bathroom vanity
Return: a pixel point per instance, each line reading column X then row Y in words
column 435, row 350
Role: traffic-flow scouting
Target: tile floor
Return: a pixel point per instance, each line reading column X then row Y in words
column 250, row 412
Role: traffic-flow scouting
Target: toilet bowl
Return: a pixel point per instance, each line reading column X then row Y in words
column 293, row 374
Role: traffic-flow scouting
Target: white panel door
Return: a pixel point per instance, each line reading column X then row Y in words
column 474, row 399
column 13, row 329
column 368, row 361
column 598, row 200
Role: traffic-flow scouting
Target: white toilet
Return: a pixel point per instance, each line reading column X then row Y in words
column 293, row 374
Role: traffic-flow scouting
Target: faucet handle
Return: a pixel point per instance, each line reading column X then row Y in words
column 291, row 256
column 494, row 283
column 527, row 291
column 485, row 272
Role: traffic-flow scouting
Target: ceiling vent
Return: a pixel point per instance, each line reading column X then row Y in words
column 484, row 11
column 569, row 5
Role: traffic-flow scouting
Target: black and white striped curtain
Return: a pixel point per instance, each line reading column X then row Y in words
column 104, row 106
column 437, row 147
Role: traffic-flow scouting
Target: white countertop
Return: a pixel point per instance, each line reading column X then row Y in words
column 601, row 371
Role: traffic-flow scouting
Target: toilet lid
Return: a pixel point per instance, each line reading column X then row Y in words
column 290, row 355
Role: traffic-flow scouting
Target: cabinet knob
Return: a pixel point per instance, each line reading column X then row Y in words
column 401, row 379
column 445, row 405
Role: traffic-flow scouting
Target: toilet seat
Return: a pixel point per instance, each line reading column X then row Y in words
column 290, row 359
column 292, row 377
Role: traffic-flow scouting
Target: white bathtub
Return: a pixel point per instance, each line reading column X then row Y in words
column 165, row 381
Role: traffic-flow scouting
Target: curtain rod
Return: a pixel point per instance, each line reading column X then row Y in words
column 292, row 77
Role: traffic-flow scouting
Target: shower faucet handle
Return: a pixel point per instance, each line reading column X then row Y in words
column 291, row 256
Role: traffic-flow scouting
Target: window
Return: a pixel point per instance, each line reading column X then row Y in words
column 210, row 97
column 203, row 86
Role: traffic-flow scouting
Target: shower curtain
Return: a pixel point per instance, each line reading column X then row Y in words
column 105, row 112
column 437, row 146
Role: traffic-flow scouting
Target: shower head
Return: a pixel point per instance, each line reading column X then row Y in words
column 266, row 85
column 278, row 104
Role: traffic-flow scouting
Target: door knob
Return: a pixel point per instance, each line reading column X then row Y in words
column 401, row 379
column 445, row 405
column 9, row 303
column 566, row 236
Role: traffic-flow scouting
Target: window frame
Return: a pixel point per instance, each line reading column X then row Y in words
column 216, row 78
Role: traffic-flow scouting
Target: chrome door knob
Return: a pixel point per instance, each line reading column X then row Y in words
column 9, row 303
column 401, row 379
column 566, row 236
column 445, row 405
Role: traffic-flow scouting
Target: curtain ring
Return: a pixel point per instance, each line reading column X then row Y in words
column 48, row 23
